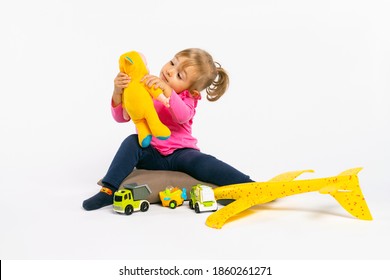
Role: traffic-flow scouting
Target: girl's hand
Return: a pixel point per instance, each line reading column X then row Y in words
column 121, row 82
column 156, row 82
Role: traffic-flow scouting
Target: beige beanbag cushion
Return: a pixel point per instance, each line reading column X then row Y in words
column 158, row 180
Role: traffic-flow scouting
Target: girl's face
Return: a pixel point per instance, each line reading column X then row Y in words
column 177, row 78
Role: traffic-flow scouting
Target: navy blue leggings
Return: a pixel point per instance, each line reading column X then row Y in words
column 201, row 166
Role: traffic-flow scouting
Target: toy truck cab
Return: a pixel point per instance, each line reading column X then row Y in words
column 132, row 198
column 202, row 199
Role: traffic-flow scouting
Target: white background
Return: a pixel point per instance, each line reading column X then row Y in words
column 309, row 90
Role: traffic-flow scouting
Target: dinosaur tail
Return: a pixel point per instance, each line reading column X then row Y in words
column 346, row 190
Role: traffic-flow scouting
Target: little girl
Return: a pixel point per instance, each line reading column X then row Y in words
column 181, row 79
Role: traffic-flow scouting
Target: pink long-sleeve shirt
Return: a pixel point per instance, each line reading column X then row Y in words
column 178, row 118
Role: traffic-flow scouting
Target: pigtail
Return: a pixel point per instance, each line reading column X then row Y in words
column 219, row 85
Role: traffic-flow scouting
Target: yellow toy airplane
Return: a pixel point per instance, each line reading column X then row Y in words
column 344, row 188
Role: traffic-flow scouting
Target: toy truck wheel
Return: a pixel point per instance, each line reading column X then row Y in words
column 144, row 206
column 172, row 204
column 129, row 209
column 197, row 210
column 191, row 204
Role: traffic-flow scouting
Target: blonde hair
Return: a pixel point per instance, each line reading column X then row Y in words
column 211, row 76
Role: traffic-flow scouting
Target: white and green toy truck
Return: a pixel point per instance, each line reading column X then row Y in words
column 202, row 199
column 132, row 198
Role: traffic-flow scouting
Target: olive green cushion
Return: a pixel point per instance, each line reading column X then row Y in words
column 158, row 180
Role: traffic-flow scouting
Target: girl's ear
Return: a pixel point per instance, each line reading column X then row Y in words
column 195, row 94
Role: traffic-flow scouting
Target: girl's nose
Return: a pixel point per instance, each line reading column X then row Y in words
column 170, row 72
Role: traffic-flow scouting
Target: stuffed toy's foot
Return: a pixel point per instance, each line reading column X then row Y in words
column 99, row 200
column 144, row 142
column 163, row 137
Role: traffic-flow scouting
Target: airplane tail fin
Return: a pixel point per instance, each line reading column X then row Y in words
column 345, row 188
column 289, row 176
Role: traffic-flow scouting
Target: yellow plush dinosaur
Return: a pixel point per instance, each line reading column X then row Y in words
column 137, row 100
